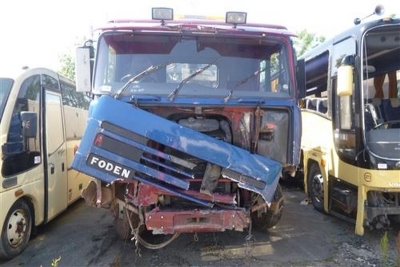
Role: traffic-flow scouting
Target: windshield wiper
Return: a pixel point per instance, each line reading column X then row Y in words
column 173, row 94
column 139, row 76
column 239, row 83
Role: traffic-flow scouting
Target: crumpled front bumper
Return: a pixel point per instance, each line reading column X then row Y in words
column 115, row 144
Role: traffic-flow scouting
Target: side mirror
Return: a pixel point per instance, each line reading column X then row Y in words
column 379, row 10
column 83, row 68
column 345, row 76
column 301, row 78
column 345, row 80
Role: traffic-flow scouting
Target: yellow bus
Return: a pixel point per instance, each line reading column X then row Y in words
column 351, row 125
column 42, row 119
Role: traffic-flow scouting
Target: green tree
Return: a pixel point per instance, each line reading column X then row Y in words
column 67, row 68
column 67, row 62
column 305, row 41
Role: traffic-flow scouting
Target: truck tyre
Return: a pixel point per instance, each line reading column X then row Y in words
column 315, row 187
column 273, row 215
column 121, row 223
column 144, row 236
column 16, row 231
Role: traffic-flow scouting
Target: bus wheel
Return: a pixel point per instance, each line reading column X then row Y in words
column 16, row 230
column 273, row 215
column 315, row 185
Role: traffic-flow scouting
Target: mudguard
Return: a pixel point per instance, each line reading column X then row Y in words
column 115, row 144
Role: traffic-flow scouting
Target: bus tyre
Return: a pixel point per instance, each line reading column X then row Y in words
column 315, row 185
column 16, row 231
column 273, row 215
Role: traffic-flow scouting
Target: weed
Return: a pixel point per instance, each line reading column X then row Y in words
column 55, row 262
column 385, row 249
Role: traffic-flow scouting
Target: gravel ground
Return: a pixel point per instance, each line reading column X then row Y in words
column 85, row 236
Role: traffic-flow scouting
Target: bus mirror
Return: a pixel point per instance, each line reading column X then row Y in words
column 83, row 69
column 29, row 124
column 301, row 78
column 379, row 10
column 345, row 80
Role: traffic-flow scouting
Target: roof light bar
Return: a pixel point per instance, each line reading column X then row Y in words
column 236, row 17
column 162, row 13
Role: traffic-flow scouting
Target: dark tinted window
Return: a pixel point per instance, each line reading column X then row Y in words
column 21, row 153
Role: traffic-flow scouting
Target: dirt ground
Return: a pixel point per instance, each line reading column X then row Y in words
column 85, row 236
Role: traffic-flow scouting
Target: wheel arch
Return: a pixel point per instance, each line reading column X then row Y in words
column 308, row 165
column 32, row 204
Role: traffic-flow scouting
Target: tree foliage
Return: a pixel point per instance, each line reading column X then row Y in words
column 70, row 96
column 306, row 41
column 67, row 66
column 67, row 61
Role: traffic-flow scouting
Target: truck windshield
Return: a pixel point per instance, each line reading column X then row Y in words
column 246, row 67
column 5, row 87
column 381, row 90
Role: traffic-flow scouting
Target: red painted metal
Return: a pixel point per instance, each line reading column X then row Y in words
column 180, row 221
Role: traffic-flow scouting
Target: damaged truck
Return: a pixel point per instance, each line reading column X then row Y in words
column 192, row 124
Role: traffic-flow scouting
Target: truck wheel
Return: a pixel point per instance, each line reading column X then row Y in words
column 144, row 236
column 122, row 226
column 273, row 215
column 315, row 183
column 16, row 231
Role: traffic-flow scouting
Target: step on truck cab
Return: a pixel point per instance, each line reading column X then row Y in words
column 192, row 123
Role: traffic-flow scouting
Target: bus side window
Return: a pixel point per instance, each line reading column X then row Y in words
column 323, row 105
column 17, row 154
column 14, row 139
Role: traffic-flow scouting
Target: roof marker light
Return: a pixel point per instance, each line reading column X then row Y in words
column 236, row 17
column 162, row 13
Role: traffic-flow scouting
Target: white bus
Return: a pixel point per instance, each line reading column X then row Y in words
column 42, row 119
column 351, row 124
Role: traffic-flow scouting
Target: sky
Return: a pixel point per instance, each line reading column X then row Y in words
column 36, row 33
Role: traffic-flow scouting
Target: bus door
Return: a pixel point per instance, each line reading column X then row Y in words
column 55, row 154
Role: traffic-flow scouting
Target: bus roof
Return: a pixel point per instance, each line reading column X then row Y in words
column 356, row 30
column 12, row 72
column 15, row 73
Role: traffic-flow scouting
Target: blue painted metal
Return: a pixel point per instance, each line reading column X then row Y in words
column 173, row 135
